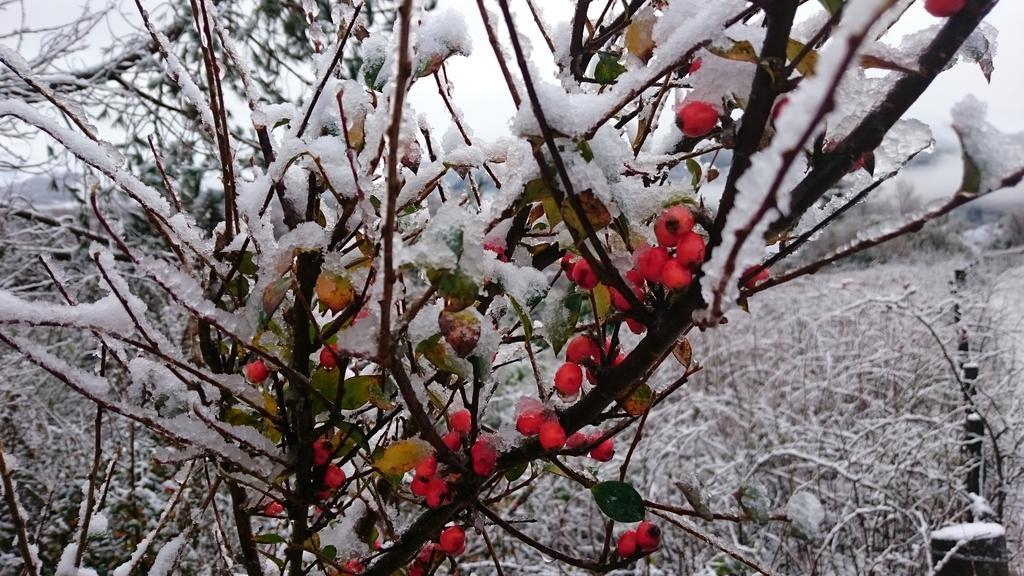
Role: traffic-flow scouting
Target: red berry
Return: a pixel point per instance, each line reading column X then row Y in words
column 618, row 300
column 690, row 249
column 648, row 536
column 528, row 422
column 584, row 275
column 552, row 436
column 694, row 66
column 354, row 566
column 757, row 279
column 273, row 509
column 420, row 485
column 582, row 348
column 322, row 450
column 636, row 326
column 944, row 8
column 460, row 422
column 676, row 276
column 427, row 467
column 636, row 279
column 651, row 261
column 256, row 371
column 453, row 540
column 604, row 451
column 627, row 544
column 426, row 554
column 327, row 359
column 673, row 223
column 697, row 118
column 496, row 246
column 453, row 441
column 568, row 261
column 437, row 490
column 485, row 458
column 334, row 477
column 577, row 440
column 568, row 379
column 417, row 570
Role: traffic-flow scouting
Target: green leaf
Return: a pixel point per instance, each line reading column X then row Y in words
column 514, row 473
column 269, row 539
column 359, row 389
column 562, row 326
column 524, row 318
column 584, row 148
column 329, row 552
column 435, row 352
column 350, row 436
column 453, row 238
column 459, row 289
column 619, row 501
column 326, row 382
column 971, row 184
column 608, row 68
column 832, row 6
column 754, row 502
column 695, row 171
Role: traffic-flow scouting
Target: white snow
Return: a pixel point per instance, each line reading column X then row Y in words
column 969, row 531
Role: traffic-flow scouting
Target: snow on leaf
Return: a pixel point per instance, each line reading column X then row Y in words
column 805, row 514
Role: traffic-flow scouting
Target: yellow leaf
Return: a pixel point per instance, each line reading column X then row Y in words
column 402, row 456
column 334, row 291
column 809, row 61
column 603, row 300
column 639, row 401
column 269, row 402
column 683, row 353
column 740, row 51
column 638, row 38
column 593, row 209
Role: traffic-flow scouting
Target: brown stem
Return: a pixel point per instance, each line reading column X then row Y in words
column 11, row 499
column 384, row 346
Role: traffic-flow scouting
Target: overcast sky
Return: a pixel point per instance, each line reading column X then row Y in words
column 480, row 92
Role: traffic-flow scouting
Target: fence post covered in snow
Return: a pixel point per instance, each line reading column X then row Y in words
column 972, row 549
column 974, row 433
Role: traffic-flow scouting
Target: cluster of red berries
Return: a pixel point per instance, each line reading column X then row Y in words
column 333, row 476
column 582, row 351
column 679, row 252
column 601, row 450
column 452, row 542
column 536, row 421
column 428, row 484
column 533, row 419
column 646, row 538
column 483, row 454
column 331, row 479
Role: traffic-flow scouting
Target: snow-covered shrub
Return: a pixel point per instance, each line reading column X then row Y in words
column 350, row 363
